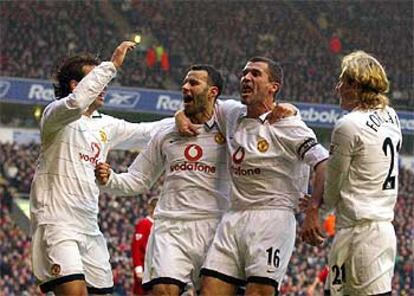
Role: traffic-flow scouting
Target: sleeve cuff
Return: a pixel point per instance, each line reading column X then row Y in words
column 110, row 179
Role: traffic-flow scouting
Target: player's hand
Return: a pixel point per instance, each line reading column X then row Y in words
column 120, row 52
column 305, row 202
column 311, row 229
column 139, row 272
column 102, row 172
column 280, row 111
column 184, row 125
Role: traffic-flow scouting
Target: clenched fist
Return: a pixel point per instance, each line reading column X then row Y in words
column 102, row 172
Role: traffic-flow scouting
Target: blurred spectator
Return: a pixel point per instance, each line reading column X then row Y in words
column 307, row 37
column 335, row 44
column 329, row 225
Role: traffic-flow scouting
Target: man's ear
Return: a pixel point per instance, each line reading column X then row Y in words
column 275, row 87
column 73, row 83
column 214, row 91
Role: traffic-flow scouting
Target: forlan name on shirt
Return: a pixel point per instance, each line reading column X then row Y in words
column 376, row 120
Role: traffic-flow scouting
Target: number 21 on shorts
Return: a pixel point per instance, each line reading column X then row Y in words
column 339, row 276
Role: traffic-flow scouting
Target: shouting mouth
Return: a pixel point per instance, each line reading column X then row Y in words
column 246, row 89
column 188, row 99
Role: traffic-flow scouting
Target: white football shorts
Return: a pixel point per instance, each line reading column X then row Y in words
column 62, row 255
column 361, row 260
column 176, row 251
column 252, row 246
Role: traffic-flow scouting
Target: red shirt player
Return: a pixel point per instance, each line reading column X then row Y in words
column 320, row 279
column 139, row 245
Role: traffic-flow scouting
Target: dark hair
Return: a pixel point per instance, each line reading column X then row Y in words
column 71, row 69
column 214, row 76
column 275, row 70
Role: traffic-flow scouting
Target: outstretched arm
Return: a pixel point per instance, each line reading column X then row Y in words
column 141, row 175
column 66, row 110
column 127, row 135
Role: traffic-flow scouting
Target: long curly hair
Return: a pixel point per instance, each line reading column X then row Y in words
column 370, row 77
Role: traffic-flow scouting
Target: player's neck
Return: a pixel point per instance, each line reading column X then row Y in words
column 90, row 110
column 202, row 117
column 255, row 110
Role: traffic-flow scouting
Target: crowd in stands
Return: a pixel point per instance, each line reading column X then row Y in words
column 119, row 214
column 307, row 38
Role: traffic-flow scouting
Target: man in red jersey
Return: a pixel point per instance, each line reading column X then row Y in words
column 139, row 245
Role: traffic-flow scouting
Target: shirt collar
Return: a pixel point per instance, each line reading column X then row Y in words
column 96, row 114
column 261, row 118
column 209, row 124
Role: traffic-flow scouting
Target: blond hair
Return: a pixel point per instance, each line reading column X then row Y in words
column 370, row 76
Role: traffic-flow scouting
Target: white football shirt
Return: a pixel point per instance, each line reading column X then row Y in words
column 362, row 173
column 63, row 190
column 269, row 163
column 196, row 183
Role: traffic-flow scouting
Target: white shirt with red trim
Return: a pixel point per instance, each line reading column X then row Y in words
column 196, row 183
column 269, row 163
column 63, row 190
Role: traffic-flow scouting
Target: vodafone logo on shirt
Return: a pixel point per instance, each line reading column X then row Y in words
column 193, row 153
column 238, row 157
column 96, row 150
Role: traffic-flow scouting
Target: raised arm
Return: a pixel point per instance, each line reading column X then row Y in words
column 70, row 108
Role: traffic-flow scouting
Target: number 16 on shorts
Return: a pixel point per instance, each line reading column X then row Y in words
column 273, row 259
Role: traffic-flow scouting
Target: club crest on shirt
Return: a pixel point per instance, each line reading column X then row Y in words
column 55, row 269
column 104, row 137
column 219, row 138
column 262, row 145
column 138, row 236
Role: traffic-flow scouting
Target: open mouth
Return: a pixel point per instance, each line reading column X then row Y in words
column 187, row 99
column 246, row 89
